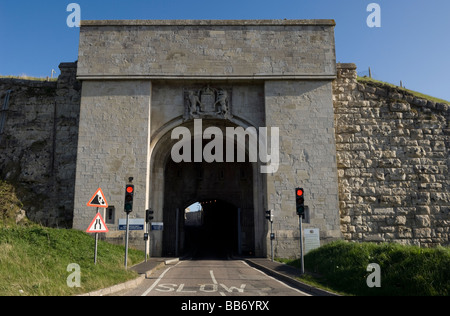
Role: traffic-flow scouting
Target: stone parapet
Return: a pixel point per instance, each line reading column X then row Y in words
column 208, row 49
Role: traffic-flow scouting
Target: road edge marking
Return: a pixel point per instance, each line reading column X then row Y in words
column 158, row 280
column 269, row 276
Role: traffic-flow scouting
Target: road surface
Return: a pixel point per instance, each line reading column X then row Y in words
column 212, row 278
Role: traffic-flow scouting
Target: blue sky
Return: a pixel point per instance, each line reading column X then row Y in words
column 412, row 44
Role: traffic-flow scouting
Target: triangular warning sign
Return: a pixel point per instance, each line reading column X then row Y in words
column 98, row 199
column 97, row 225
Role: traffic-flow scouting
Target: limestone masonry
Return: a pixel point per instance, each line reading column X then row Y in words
column 393, row 163
column 373, row 159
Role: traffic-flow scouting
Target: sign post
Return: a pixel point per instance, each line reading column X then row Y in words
column 98, row 224
column 96, row 245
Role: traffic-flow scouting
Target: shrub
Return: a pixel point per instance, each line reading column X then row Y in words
column 405, row 270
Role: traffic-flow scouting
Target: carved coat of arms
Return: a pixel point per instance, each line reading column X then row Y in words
column 207, row 102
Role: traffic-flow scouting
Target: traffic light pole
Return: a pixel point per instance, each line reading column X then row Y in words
column 302, row 261
column 271, row 239
column 128, row 207
column 146, row 240
column 269, row 217
column 148, row 219
column 126, row 240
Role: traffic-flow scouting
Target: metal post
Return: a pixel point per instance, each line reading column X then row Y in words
column 126, row 241
column 302, row 266
column 96, row 245
column 271, row 239
column 147, row 241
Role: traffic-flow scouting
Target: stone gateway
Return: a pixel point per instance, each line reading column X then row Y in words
column 142, row 79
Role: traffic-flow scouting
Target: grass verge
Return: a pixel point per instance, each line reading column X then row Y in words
column 414, row 93
column 34, row 261
column 405, row 270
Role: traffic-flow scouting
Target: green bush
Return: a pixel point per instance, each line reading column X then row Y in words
column 405, row 270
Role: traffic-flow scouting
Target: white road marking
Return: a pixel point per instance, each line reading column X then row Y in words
column 290, row 287
column 214, row 286
column 159, row 279
column 215, row 281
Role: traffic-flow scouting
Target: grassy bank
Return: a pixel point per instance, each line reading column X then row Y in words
column 34, row 260
column 414, row 93
column 405, row 270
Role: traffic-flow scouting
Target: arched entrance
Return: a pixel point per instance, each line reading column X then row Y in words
column 233, row 218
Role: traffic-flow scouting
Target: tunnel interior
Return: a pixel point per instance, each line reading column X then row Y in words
column 225, row 192
column 212, row 231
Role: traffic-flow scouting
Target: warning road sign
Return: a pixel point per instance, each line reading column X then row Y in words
column 97, row 225
column 98, row 200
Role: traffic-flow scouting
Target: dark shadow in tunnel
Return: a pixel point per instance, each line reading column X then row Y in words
column 216, row 235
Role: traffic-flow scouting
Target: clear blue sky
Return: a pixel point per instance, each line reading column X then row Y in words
column 412, row 44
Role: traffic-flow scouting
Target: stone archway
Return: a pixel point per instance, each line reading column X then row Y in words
column 177, row 185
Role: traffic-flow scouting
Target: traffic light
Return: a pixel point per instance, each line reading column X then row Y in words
column 269, row 215
column 129, row 194
column 148, row 215
column 300, row 202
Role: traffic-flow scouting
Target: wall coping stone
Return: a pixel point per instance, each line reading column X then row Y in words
column 317, row 22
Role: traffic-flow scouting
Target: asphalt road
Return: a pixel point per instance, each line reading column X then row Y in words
column 212, row 278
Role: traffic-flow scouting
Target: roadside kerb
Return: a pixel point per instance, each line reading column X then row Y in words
column 145, row 269
column 269, row 267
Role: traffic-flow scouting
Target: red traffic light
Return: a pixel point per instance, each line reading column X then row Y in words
column 130, row 189
column 299, row 192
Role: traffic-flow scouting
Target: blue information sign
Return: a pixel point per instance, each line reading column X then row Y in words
column 134, row 223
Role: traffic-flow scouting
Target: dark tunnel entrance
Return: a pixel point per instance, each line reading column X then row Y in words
column 212, row 229
column 225, row 191
column 228, row 217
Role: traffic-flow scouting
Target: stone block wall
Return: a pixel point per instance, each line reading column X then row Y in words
column 303, row 111
column 112, row 147
column 38, row 144
column 393, row 163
